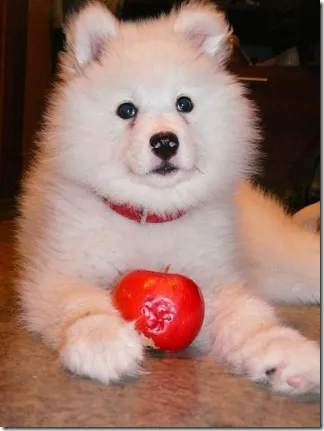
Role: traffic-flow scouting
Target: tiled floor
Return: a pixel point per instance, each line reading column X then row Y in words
column 175, row 391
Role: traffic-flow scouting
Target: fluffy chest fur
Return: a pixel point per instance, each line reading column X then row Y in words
column 83, row 237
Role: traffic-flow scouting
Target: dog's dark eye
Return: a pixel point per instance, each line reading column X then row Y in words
column 126, row 110
column 184, row 104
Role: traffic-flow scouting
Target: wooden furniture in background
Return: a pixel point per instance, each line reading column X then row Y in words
column 25, row 75
column 13, row 32
column 38, row 71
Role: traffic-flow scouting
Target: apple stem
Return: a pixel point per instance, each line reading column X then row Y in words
column 167, row 268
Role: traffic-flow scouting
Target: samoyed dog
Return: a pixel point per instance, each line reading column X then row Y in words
column 144, row 160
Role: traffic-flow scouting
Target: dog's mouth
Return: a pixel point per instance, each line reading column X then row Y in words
column 165, row 168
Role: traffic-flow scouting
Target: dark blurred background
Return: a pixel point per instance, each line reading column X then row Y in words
column 265, row 27
column 276, row 50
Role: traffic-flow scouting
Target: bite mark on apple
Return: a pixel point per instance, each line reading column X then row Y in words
column 159, row 313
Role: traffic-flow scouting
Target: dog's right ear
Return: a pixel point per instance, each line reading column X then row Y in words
column 86, row 34
column 205, row 27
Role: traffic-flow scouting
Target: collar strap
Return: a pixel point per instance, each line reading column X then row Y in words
column 142, row 216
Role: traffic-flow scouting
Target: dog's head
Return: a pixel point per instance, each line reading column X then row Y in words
column 147, row 114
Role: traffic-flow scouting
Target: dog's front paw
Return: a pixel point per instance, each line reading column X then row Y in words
column 285, row 360
column 102, row 347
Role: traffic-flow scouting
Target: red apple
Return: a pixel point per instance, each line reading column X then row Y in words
column 168, row 309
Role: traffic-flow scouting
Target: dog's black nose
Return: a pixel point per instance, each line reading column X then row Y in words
column 164, row 145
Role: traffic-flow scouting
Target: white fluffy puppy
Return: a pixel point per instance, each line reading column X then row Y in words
column 144, row 160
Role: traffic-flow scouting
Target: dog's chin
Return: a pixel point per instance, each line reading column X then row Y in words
column 165, row 180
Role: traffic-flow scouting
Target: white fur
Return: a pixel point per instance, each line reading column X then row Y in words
column 233, row 240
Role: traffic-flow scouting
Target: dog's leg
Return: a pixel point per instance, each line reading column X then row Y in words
column 309, row 216
column 280, row 257
column 80, row 322
column 246, row 335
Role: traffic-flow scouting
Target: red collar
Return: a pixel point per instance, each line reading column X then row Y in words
column 142, row 216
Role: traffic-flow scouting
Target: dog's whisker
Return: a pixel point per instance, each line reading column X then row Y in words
column 200, row 171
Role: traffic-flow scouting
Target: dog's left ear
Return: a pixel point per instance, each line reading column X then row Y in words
column 86, row 33
column 205, row 27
